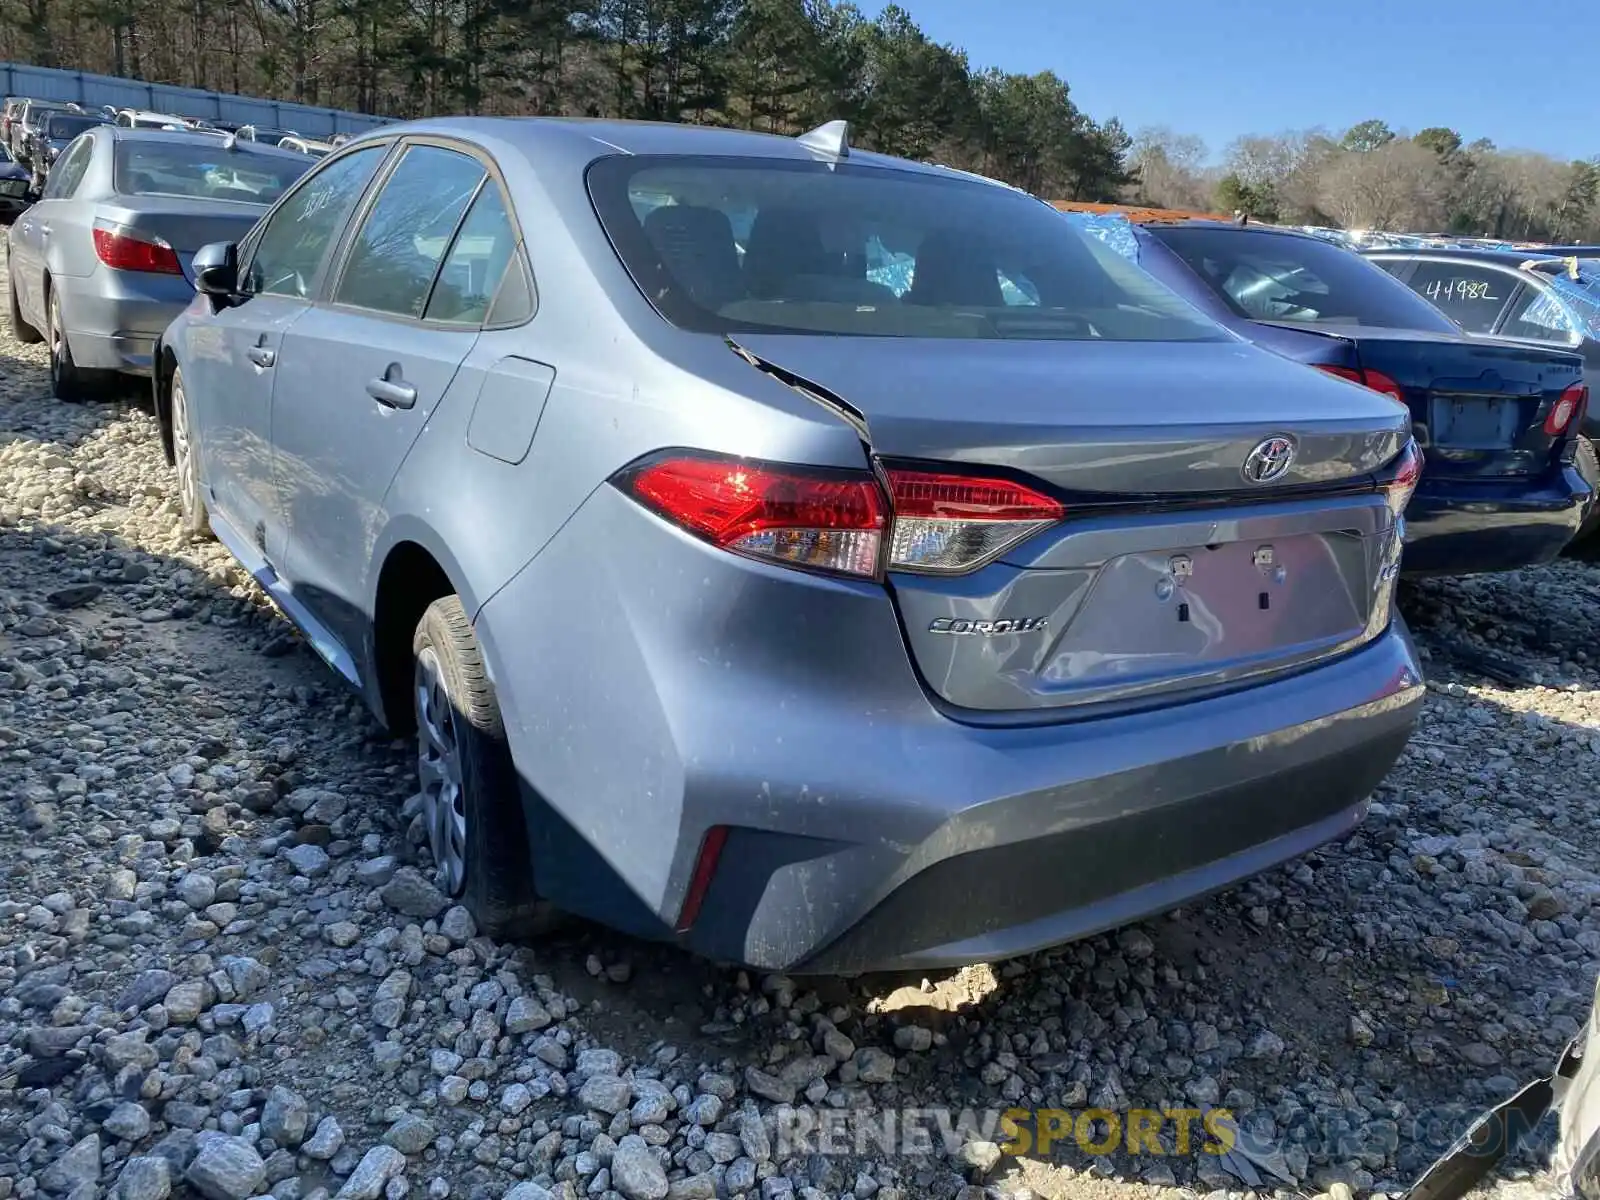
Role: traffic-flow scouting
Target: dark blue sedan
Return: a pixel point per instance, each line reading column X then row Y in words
column 1498, row 421
column 13, row 187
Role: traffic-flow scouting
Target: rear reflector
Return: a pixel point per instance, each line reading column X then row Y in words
column 1567, row 410
column 1407, row 471
column 825, row 520
column 705, row 868
column 946, row 523
column 121, row 250
column 1376, row 380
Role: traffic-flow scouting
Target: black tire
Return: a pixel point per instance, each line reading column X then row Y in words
column 68, row 381
column 1588, row 464
column 185, row 462
column 20, row 329
column 497, row 888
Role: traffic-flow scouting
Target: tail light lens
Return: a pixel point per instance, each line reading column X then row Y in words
column 1567, row 411
column 1408, row 470
column 838, row 521
column 952, row 523
column 1376, row 380
column 828, row 521
column 122, row 250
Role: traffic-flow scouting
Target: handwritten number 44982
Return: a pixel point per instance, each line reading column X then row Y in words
column 1459, row 289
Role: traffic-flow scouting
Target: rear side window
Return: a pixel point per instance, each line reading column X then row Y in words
column 69, row 172
column 784, row 246
column 1471, row 294
column 1303, row 280
column 407, row 231
column 288, row 255
column 476, row 263
column 1537, row 315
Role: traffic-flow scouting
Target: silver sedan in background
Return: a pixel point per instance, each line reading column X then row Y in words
column 102, row 263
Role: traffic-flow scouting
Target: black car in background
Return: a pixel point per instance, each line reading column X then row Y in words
column 1540, row 298
column 14, row 184
column 54, row 134
column 1497, row 420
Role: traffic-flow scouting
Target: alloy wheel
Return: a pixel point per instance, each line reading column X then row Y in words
column 182, row 455
column 439, row 768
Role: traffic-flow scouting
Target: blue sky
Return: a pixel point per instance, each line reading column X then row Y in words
column 1220, row 68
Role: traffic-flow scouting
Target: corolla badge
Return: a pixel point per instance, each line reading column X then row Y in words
column 960, row 627
column 1271, row 459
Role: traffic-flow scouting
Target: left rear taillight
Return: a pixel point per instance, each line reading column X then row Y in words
column 1407, row 471
column 1566, row 412
column 824, row 520
column 123, row 250
column 934, row 522
column 1376, row 380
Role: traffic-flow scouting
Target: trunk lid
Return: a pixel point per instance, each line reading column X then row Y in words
column 1170, row 571
column 1478, row 405
column 185, row 225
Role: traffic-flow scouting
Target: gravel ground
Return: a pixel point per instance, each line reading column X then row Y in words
column 221, row 975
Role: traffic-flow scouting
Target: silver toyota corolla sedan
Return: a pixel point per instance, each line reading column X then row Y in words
column 826, row 561
column 101, row 264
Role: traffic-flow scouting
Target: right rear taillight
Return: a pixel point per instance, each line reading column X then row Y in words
column 1565, row 411
column 1376, row 380
column 1407, row 470
column 122, row 250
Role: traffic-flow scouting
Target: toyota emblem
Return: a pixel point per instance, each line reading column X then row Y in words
column 1271, row 459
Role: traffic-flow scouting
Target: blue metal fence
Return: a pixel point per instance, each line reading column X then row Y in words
column 94, row 91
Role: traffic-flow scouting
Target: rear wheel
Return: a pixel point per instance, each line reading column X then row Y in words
column 191, row 502
column 68, row 381
column 20, row 329
column 476, row 830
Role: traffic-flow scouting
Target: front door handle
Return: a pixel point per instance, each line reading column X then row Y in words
column 261, row 356
column 392, row 390
column 44, row 231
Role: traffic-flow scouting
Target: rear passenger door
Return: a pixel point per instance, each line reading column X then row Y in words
column 38, row 224
column 362, row 373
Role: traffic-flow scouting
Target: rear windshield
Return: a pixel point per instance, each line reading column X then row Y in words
column 203, row 170
column 1303, row 280
column 67, row 128
column 769, row 245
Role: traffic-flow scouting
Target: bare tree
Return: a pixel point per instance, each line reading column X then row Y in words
column 1171, row 169
column 1395, row 186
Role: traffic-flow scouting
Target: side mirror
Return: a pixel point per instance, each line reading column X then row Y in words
column 216, row 270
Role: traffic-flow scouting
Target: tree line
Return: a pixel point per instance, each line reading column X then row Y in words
column 781, row 66
column 1372, row 177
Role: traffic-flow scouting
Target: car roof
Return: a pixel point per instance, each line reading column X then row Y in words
column 1510, row 258
column 595, row 138
column 190, row 137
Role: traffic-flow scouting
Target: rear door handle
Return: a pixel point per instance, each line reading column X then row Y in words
column 44, row 231
column 391, row 390
column 261, row 356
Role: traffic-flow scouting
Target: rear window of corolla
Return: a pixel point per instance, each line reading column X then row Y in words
column 203, row 171
column 1278, row 277
column 766, row 245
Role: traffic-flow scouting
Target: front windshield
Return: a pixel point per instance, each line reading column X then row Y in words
column 203, row 170
column 784, row 246
column 64, row 129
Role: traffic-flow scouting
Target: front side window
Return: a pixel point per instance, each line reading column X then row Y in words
column 288, row 255
column 407, row 231
column 1471, row 294
column 780, row 246
column 1265, row 276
